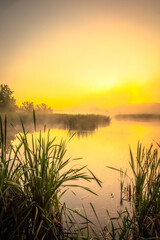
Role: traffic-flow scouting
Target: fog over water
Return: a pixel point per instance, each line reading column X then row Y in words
column 106, row 145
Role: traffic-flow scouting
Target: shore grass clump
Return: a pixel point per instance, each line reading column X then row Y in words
column 88, row 122
column 34, row 175
column 142, row 221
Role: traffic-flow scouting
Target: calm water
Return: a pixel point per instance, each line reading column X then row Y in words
column 107, row 146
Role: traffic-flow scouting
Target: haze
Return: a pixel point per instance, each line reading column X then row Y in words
column 75, row 55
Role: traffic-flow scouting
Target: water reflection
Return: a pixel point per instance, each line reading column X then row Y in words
column 81, row 134
column 99, row 147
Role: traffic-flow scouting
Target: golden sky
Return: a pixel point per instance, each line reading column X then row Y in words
column 72, row 53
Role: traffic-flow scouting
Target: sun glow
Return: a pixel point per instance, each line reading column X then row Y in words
column 66, row 61
column 105, row 84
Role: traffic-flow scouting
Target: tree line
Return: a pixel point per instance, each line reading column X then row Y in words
column 8, row 102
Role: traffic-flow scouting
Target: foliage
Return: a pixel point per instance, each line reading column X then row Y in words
column 7, row 101
column 143, row 222
column 83, row 125
column 35, row 174
column 27, row 106
column 84, row 122
column 33, row 178
column 43, row 108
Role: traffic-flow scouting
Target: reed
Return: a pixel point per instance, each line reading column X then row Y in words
column 33, row 178
column 35, row 174
column 143, row 221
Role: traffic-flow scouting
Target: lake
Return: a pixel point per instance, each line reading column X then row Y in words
column 105, row 146
column 108, row 146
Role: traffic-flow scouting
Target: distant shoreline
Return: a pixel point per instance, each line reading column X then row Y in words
column 80, row 124
column 56, row 118
column 138, row 117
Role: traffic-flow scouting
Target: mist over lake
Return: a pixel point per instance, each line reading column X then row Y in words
column 99, row 142
column 79, row 119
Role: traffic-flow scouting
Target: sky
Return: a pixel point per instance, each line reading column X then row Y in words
column 81, row 54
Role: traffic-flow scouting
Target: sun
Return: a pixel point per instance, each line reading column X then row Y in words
column 106, row 84
column 111, row 83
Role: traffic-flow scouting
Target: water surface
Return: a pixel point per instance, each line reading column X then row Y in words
column 105, row 146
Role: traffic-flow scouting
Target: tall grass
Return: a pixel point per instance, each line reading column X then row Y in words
column 143, row 220
column 33, row 178
column 35, row 174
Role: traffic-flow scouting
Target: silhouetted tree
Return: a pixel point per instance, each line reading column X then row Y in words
column 7, row 101
column 43, row 108
column 27, row 106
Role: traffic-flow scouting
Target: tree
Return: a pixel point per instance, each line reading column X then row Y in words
column 7, row 101
column 43, row 108
column 27, row 106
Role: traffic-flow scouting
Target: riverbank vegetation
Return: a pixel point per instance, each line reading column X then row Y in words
column 145, row 117
column 81, row 124
column 86, row 122
column 33, row 178
column 142, row 189
column 8, row 103
column 35, row 174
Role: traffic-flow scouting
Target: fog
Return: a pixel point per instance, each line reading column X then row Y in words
column 81, row 125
